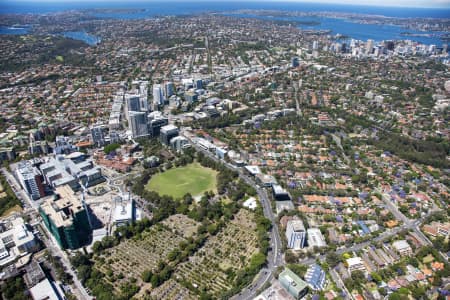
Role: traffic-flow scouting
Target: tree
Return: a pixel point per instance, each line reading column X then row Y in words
column 333, row 259
column 111, row 147
column 147, row 276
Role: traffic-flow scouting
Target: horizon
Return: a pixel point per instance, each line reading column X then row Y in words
column 416, row 4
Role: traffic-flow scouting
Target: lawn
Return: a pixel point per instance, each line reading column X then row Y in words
column 10, row 211
column 193, row 179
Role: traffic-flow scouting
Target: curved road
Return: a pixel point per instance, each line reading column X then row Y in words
column 274, row 256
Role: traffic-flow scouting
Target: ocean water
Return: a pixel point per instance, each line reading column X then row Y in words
column 188, row 7
column 159, row 8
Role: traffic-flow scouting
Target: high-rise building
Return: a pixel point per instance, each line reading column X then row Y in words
column 7, row 154
column 132, row 103
column 169, row 89
column 138, row 123
column 66, row 218
column 315, row 45
column 369, row 46
column 31, row 180
column 295, row 62
column 167, row 133
column 295, row 234
column 158, row 97
column 190, row 97
column 198, row 83
column 98, row 137
column 155, row 124
column 143, row 95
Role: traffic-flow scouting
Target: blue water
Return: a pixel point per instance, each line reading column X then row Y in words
column 82, row 36
column 185, row 7
column 355, row 30
column 155, row 8
column 14, row 30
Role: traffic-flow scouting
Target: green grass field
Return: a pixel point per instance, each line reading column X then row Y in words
column 193, row 179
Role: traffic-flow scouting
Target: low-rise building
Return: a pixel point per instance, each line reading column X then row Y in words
column 315, row 277
column 295, row 234
column 355, row 264
column 16, row 240
column 315, row 238
column 72, row 170
column 402, row 247
column 179, row 143
column 293, row 284
column 124, row 213
column 45, row 290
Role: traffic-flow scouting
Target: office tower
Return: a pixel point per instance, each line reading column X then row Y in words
column 143, row 103
column 143, row 95
column 169, row 89
column 369, row 46
column 158, row 97
column 190, row 97
column 295, row 234
column 167, row 133
column 315, row 45
column 138, row 123
column 155, row 124
column 132, row 102
column 294, row 62
column 199, row 83
column 98, row 137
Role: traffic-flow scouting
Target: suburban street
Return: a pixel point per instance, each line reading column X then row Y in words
column 274, row 256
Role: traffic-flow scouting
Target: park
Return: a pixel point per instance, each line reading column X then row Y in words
column 177, row 182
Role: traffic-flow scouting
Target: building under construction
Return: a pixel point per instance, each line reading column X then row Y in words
column 66, row 217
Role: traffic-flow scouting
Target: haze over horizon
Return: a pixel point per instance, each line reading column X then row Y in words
column 445, row 4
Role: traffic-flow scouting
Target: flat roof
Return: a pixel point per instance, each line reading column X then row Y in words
column 253, row 169
column 68, row 200
column 44, row 290
column 277, row 189
column 297, row 225
column 169, row 127
column 294, row 281
column 123, row 212
column 354, row 261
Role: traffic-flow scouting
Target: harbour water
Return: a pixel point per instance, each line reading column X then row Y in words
column 142, row 10
column 82, row 36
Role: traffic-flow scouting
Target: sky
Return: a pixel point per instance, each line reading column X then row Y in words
column 394, row 3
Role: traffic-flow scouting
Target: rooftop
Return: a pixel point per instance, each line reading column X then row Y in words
column 294, row 281
column 62, row 209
